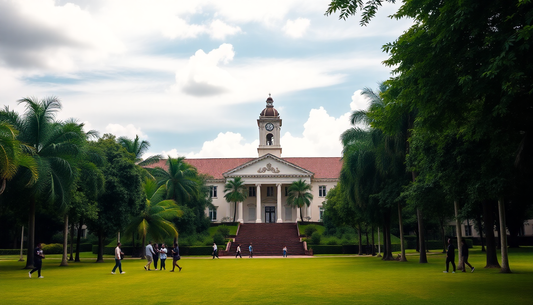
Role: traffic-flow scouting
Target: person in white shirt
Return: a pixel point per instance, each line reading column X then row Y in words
column 118, row 262
column 149, row 256
column 238, row 253
column 215, row 251
column 163, row 256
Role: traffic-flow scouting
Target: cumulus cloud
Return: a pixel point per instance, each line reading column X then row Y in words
column 227, row 145
column 220, row 30
column 203, row 76
column 128, row 131
column 296, row 28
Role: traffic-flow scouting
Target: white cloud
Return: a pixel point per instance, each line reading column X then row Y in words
column 202, row 75
column 227, row 145
column 128, row 131
column 296, row 28
column 219, row 29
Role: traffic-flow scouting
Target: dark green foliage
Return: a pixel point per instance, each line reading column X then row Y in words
column 315, row 238
column 218, row 239
column 309, row 230
column 223, row 230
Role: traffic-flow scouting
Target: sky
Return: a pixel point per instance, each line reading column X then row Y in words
column 191, row 77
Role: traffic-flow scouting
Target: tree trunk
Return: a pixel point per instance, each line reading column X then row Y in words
column 301, row 215
column 78, row 239
column 359, row 239
column 133, row 244
column 373, row 244
column 443, row 234
column 480, row 227
column 387, row 251
column 143, row 254
column 71, row 258
column 503, row 237
column 402, row 241
column 459, row 234
column 64, row 257
column 234, row 211
column 31, row 234
column 423, row 255
column 488, row 216
column 100, row 258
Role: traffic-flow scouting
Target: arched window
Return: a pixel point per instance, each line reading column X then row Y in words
column 270, row 139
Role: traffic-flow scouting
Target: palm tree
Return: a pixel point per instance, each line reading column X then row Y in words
column 300, row 195
column 235, row 191
column 155, row 218
column 12, row 155
column 138, row 148
column 180, row 179
column 55, row 150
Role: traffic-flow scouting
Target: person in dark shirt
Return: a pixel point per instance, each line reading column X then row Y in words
column 450, row 256
column 175, row 257
column 464, row 255
column 156, row 255
column 37, row 260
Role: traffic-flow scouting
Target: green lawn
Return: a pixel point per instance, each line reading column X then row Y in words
column 317, row 280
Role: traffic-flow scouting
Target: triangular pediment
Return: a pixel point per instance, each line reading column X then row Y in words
column 268, row 166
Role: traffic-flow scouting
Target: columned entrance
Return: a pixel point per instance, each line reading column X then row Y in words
column 270, row 214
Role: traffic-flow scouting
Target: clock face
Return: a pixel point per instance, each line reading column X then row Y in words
column 269, row 126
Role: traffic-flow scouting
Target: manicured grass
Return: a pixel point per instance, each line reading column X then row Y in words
column 232, row 230
column 317, row 280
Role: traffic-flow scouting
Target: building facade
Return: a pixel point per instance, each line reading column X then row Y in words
column 267, row 178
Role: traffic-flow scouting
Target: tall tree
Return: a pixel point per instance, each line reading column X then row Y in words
column 235, row 191
column 138, row 148
column 55, row 150
column 180, row 178
column 300, row 195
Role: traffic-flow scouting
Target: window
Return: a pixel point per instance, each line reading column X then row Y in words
column 251, row 191
column 322, row 191
column 213, row 214
column 270, row 191
column 286, row 191
column 213, row 191
column 321, row 212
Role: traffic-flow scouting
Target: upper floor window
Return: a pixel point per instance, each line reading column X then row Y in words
column 270, row 191
column 251, row 191
column 214, row 191
column 322, row 191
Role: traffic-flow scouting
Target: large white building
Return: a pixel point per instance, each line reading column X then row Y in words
column 267, row 178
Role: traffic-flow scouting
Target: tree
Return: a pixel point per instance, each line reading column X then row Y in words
column 299, row 195
column 55, row 150
column 180, row 179
column 155, row 218
column 123, row 196
column 235, row 191
column 138, row 148
column 12, row 155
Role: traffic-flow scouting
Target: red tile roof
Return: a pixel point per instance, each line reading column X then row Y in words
column 323, row 167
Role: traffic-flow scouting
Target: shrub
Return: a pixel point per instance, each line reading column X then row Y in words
column 345, row 242
column 332, row 242
column 218, row 239
column 332, row 249
column 315, row 238
column 53, row 249
column 309, row 230
column 223, row 230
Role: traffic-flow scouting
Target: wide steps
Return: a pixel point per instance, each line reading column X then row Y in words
column 268, row 239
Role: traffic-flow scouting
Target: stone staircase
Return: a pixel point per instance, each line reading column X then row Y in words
column 268, row 239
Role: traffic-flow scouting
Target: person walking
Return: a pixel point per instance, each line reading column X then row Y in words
column 251, row 249
column 215, row 251
column 118, row 258
column 450, row 256
column 285, row 251
column 156, row 255
column 149, row 256
column 38, row 257
column 464, row 256
column 175, row 257
column 163, row 256
column 238, row 253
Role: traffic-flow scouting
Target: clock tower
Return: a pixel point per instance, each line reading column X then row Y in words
column 269, row 125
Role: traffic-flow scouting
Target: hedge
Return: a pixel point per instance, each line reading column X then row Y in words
column 13, row 251
column 184, row 250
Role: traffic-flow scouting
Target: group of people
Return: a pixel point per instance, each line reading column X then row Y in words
column 450, row 256
column 153, row 254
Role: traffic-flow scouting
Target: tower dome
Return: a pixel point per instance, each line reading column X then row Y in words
column 269, row 111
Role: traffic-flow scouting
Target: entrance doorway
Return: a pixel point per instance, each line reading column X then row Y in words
column 270, row 214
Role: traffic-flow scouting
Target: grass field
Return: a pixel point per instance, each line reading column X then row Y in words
column 316, row 280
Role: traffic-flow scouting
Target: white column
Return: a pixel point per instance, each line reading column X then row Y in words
column 297, row 214
column 240, row 204
column 279, row 204
column 258, row 203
